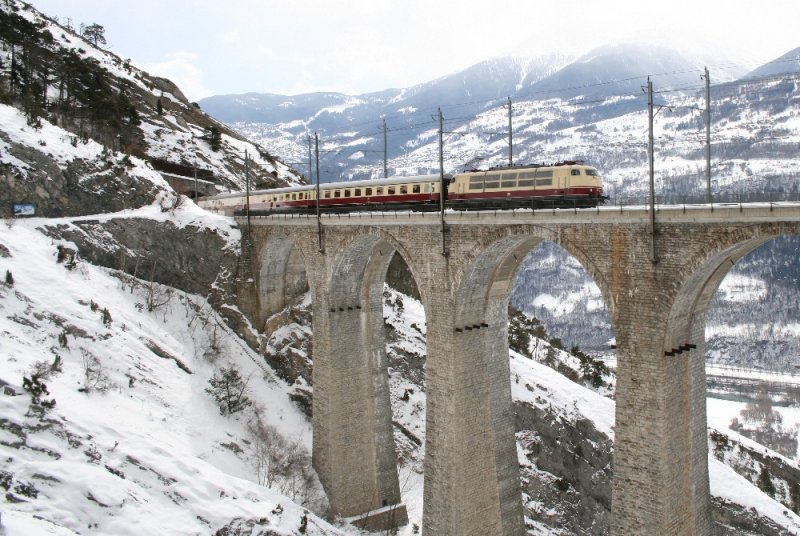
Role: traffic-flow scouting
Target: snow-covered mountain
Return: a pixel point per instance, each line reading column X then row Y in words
column 102, row 105
column 788, row 63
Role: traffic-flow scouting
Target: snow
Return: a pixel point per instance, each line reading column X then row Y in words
column 727, row 484
column 542, row 386
column 740, row 288
column 147, row 455
column 49, row 139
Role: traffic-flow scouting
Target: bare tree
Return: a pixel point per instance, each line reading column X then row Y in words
column 156, row 296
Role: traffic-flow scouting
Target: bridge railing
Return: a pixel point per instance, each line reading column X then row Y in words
column 728, row 198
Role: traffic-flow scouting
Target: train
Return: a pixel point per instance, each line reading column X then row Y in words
column 565, row 184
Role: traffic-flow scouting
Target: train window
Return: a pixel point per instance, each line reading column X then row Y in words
column 294, row 197
column 390, row 190
column 367, row 191
column 575, row 172
column 591, row 172
column 508, row 180
column 403, row 189
column 493, row 181
column 525, row 183
column 527, row 175
column 548, row 173
column 357, row 192
column 427, row 188
column 347, row 193
column 337, row 193
column 544, row 182
column 415, row 189
column 379, row 190
column 476, row 183
column 327, row 194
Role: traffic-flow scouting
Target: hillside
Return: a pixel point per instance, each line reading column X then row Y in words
column 117, row 433
column 120, row 120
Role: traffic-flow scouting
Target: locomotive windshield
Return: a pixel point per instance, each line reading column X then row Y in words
column 591, row 172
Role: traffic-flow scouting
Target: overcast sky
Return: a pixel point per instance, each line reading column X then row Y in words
column 212, row 47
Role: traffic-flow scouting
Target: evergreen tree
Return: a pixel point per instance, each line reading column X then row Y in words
column 764, row 482
column 95, row 33
column 214, row 137
column 9, row 279
column 229, row 390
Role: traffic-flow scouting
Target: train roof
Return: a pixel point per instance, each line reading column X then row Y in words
column 565, row 163
column 397, row 179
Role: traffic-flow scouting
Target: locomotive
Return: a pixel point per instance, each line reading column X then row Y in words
column 566, row 184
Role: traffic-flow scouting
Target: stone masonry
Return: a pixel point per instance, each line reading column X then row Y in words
column 658, row 305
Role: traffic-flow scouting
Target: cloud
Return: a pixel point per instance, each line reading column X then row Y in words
column 181, row 68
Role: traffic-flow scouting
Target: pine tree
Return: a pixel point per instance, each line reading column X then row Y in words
column 9, row 279
column 214, row 137
column 229, row 390
column 95, row 33
column 764, row 482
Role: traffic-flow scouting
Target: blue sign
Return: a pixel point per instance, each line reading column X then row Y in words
column 24, row 209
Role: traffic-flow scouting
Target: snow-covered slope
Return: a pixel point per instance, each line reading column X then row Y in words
column 133, row 443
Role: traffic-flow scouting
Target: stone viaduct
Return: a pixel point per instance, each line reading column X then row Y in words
column 658, row 284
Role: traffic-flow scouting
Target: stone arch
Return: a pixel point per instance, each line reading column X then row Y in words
column 282, row 276
column 687, row 316
column 701, row 276
column 352, row 407
column 495, row 262
column 365, row 259
column 481, row 297
column 519, row 241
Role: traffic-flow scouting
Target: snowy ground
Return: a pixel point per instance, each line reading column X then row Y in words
column 133, row 445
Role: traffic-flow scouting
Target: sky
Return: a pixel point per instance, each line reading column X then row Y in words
column 211, row 47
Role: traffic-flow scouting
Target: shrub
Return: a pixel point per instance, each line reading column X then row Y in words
column 44, row 370
column 37, row 389
column 94, row 375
